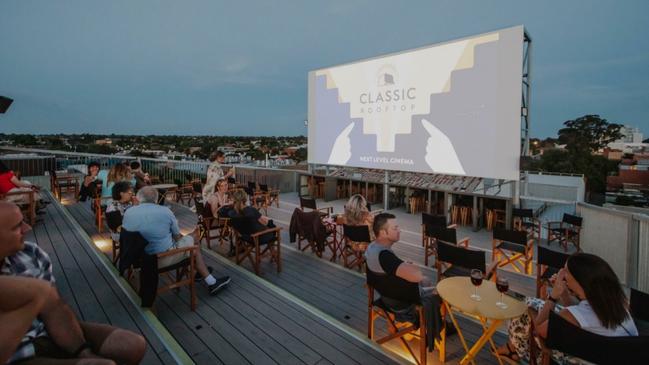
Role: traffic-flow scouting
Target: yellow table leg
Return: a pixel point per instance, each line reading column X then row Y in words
column 486, row 336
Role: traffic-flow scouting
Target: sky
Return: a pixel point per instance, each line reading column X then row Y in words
column 240, row 67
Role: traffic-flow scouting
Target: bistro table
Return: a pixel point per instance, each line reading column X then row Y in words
column 456, row 295
column 163, row 189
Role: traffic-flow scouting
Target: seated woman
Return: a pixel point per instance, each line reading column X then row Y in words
column 588, row 294
column 356, row 213
column 254, row 221
column 117, row 173
column 10, row 183
column 89, row 185
column 122, row 194
column 220, row 203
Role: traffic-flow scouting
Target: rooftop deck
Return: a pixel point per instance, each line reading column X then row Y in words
column 314, row 311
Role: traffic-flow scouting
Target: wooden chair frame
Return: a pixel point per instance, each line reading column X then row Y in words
column 355, row 250
column 430, row 248
column 399, row 330
column 564, row 232
column 184, row 274
column 272, row 195
column 513, row 258
column 424, row 236
column 527, row 223
column 306, row 203
column 253, row 252
column 218, row 224
column 185, row 193
column 28, row 208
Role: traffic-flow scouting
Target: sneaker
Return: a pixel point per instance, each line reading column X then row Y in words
column 220, row 284
column 198, row 277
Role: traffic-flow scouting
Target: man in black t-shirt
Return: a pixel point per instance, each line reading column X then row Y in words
column 391, row 276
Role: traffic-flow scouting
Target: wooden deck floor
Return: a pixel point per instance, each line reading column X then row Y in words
column 87, row 286
column 323, row 294
column 252, row 321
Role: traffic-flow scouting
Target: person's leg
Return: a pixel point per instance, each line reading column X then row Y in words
column 120, row 345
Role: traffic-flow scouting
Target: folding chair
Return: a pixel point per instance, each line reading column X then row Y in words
column 639, row 308
column 248, row 244
column 259, row 200
column 314, row 227
column 565, row 232
column 63, row 184
column 523, row 220
column 354, row 243
column 150, row 272
column 271, row 194
column 99, row 206
column 514, row 247
column 376, row 308
column 436, row 234
column 214, row 227
column 114, row 223
column 604, row 350
column 453, row 260
column 548, row 263
column 185, row 194
column 311, row 204
column 432, row 220
column 26, row 201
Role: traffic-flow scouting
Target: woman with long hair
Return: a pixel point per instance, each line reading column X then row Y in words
column 357, row 213
column 220, row 200
column 118, row 172
column 587, row 293
column 254, row 220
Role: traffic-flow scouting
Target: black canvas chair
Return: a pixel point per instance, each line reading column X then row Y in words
column 524, row 220
column 440, row 233
column 604, row 350
column 114, row 223
column 308, row 228
column 376, row 308
column 565, row 232
column 354, row 243
column 248, row 244
column 458, row 261
column 548, row 263
column 511, row 247
column 432, row 220
column 311, row 204
column 639, row 306
column 132, row 256
column 272, row 195
column 213, row 227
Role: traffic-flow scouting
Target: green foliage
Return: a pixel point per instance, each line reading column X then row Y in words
column 300, row 154
column 588, row 133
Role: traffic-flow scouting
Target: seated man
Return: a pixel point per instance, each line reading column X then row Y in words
column 56, row 336
column 400, row 284
column 158, row 225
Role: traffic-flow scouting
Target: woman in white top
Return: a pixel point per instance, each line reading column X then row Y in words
column 588, row 294
column 220, row 198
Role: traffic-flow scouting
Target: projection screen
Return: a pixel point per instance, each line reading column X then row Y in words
column 449, row 108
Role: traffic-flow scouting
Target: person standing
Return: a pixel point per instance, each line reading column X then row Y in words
column 215, row 173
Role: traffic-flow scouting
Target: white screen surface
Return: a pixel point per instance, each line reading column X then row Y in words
column 451, row 108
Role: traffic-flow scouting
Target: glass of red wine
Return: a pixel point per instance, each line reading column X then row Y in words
column 502, row 285
column 476, row 280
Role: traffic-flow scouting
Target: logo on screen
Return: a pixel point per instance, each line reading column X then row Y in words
column 386, row 79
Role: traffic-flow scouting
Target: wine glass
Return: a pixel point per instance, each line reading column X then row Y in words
column 476, row 280
column 502, row 285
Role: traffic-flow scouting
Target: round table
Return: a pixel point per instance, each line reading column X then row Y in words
column 456, row 294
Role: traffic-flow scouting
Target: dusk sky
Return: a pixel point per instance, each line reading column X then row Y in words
column 240, row 67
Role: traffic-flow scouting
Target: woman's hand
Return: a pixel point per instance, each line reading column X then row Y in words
column 559, row 288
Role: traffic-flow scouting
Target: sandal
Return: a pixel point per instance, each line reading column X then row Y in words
column 510, row 357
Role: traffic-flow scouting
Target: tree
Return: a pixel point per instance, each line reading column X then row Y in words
column 300, row 154
column 588, row 133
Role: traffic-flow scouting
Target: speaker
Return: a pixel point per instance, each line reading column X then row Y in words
column 4, row 103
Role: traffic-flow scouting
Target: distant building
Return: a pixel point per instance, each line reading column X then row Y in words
column 105, row 141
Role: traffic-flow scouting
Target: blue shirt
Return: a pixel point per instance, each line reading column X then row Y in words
column 156, row 223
